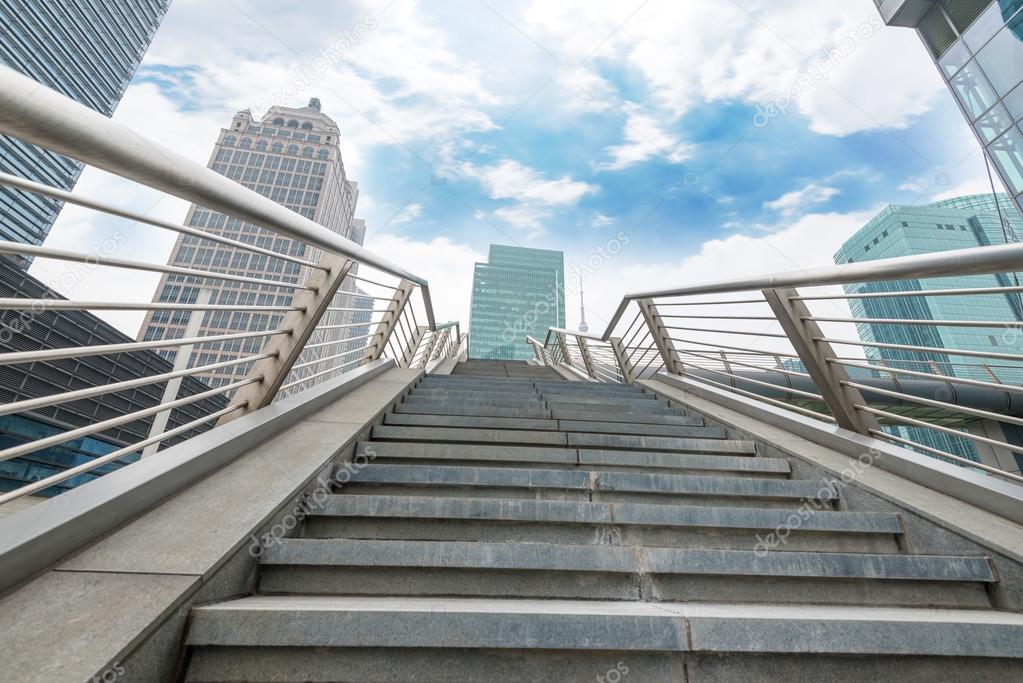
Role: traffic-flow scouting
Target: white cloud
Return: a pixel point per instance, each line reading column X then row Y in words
column 510, row 179
column 446, row 265
column 798, row 201
column 974, row 186
column 645, row 139
column 600, row 220
column 408, row 213
column 754, row 52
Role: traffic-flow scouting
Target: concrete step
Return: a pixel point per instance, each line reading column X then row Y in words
column 614, row 572
column 688, row 436
column 438, row 408
column 414, row 420
column 714, row 443
column 550, row 454
column 668, row 419
column 584, row 522
column 433, row 640
column 540, row 424
column 494, row 403
column 462, row 395
column 575, row 484
column 599, row 411
column 631, row 400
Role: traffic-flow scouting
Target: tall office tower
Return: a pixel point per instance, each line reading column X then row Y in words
column 518, row 292
column 958, row 223
column 85, row 49
column 292, row 156
column 977, row 46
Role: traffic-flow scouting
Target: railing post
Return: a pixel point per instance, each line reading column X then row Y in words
column 796, row 322
column 386, row 326
column 314, row 303
column 725, row 362
column 660, row 336
column 563, row 345
column 432, row 348
column 628, row 372
column 408, row 354
column 584, row 351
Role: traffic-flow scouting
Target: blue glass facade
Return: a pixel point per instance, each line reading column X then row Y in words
column 85, row 49
column 977, row 46
column 958, row 223
column 519, row 292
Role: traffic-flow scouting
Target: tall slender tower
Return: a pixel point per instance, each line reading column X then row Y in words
column 583, row 327
column 292, row 156
column 85, row 49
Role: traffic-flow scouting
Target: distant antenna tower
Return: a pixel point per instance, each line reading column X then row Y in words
column 583, row 327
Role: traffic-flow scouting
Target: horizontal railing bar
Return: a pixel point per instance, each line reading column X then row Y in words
column 322, row 328
column 319, row 361
column 972, row 261
column 965, row 291
column 940, row 428
column 372, row 282
column 366, row 296
column 912, row 321
column 742, row 332
column 64, row 437
column 17, row 248
column 721, row 317
column 79, row 200
column 54, row 399
column 976, row 412
column 574, row 333
column 934, row 376
column 320, row 345
column 922, row 349
column 41, row 484
column 356, row 310
column 130, row 347
column 71, row 305
column 663, row 304
column 308, row 379
column 880, row 433
column 805, row 394
column 765, row 399
column 732, row 361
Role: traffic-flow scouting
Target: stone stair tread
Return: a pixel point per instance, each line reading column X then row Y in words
column 535, row 624
column 622, row 559
column 694, row 438
column 583, row 512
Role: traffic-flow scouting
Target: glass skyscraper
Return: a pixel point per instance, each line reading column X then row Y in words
column 978, row 47
column 958, row 223
column 86, row 49
column 292, row 156
column 518, row 292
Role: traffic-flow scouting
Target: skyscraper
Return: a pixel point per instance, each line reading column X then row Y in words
column 518, row 292
column 958, row 223
column 977, row 45
column 86, row 49
column 292, row 156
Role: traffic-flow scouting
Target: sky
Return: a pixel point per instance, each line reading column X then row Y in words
column 656, row 142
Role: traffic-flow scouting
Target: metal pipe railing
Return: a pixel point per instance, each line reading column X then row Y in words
column 268, row 346
column 796, row 368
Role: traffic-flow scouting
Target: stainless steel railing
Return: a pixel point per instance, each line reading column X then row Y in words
column 346, row 305
column 843, row 344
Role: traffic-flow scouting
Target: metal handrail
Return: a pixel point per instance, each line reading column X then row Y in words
column 822, row 373
column 289, row 355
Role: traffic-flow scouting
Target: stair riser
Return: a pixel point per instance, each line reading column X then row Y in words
column 575, row 585
column 489, row 492
column 698, row 471
column 461, row 582
column 588, row 534
column 399, row 665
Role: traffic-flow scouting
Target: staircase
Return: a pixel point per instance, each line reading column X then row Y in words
column 507, row 528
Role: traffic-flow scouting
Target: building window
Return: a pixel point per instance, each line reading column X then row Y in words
column 904, row 224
